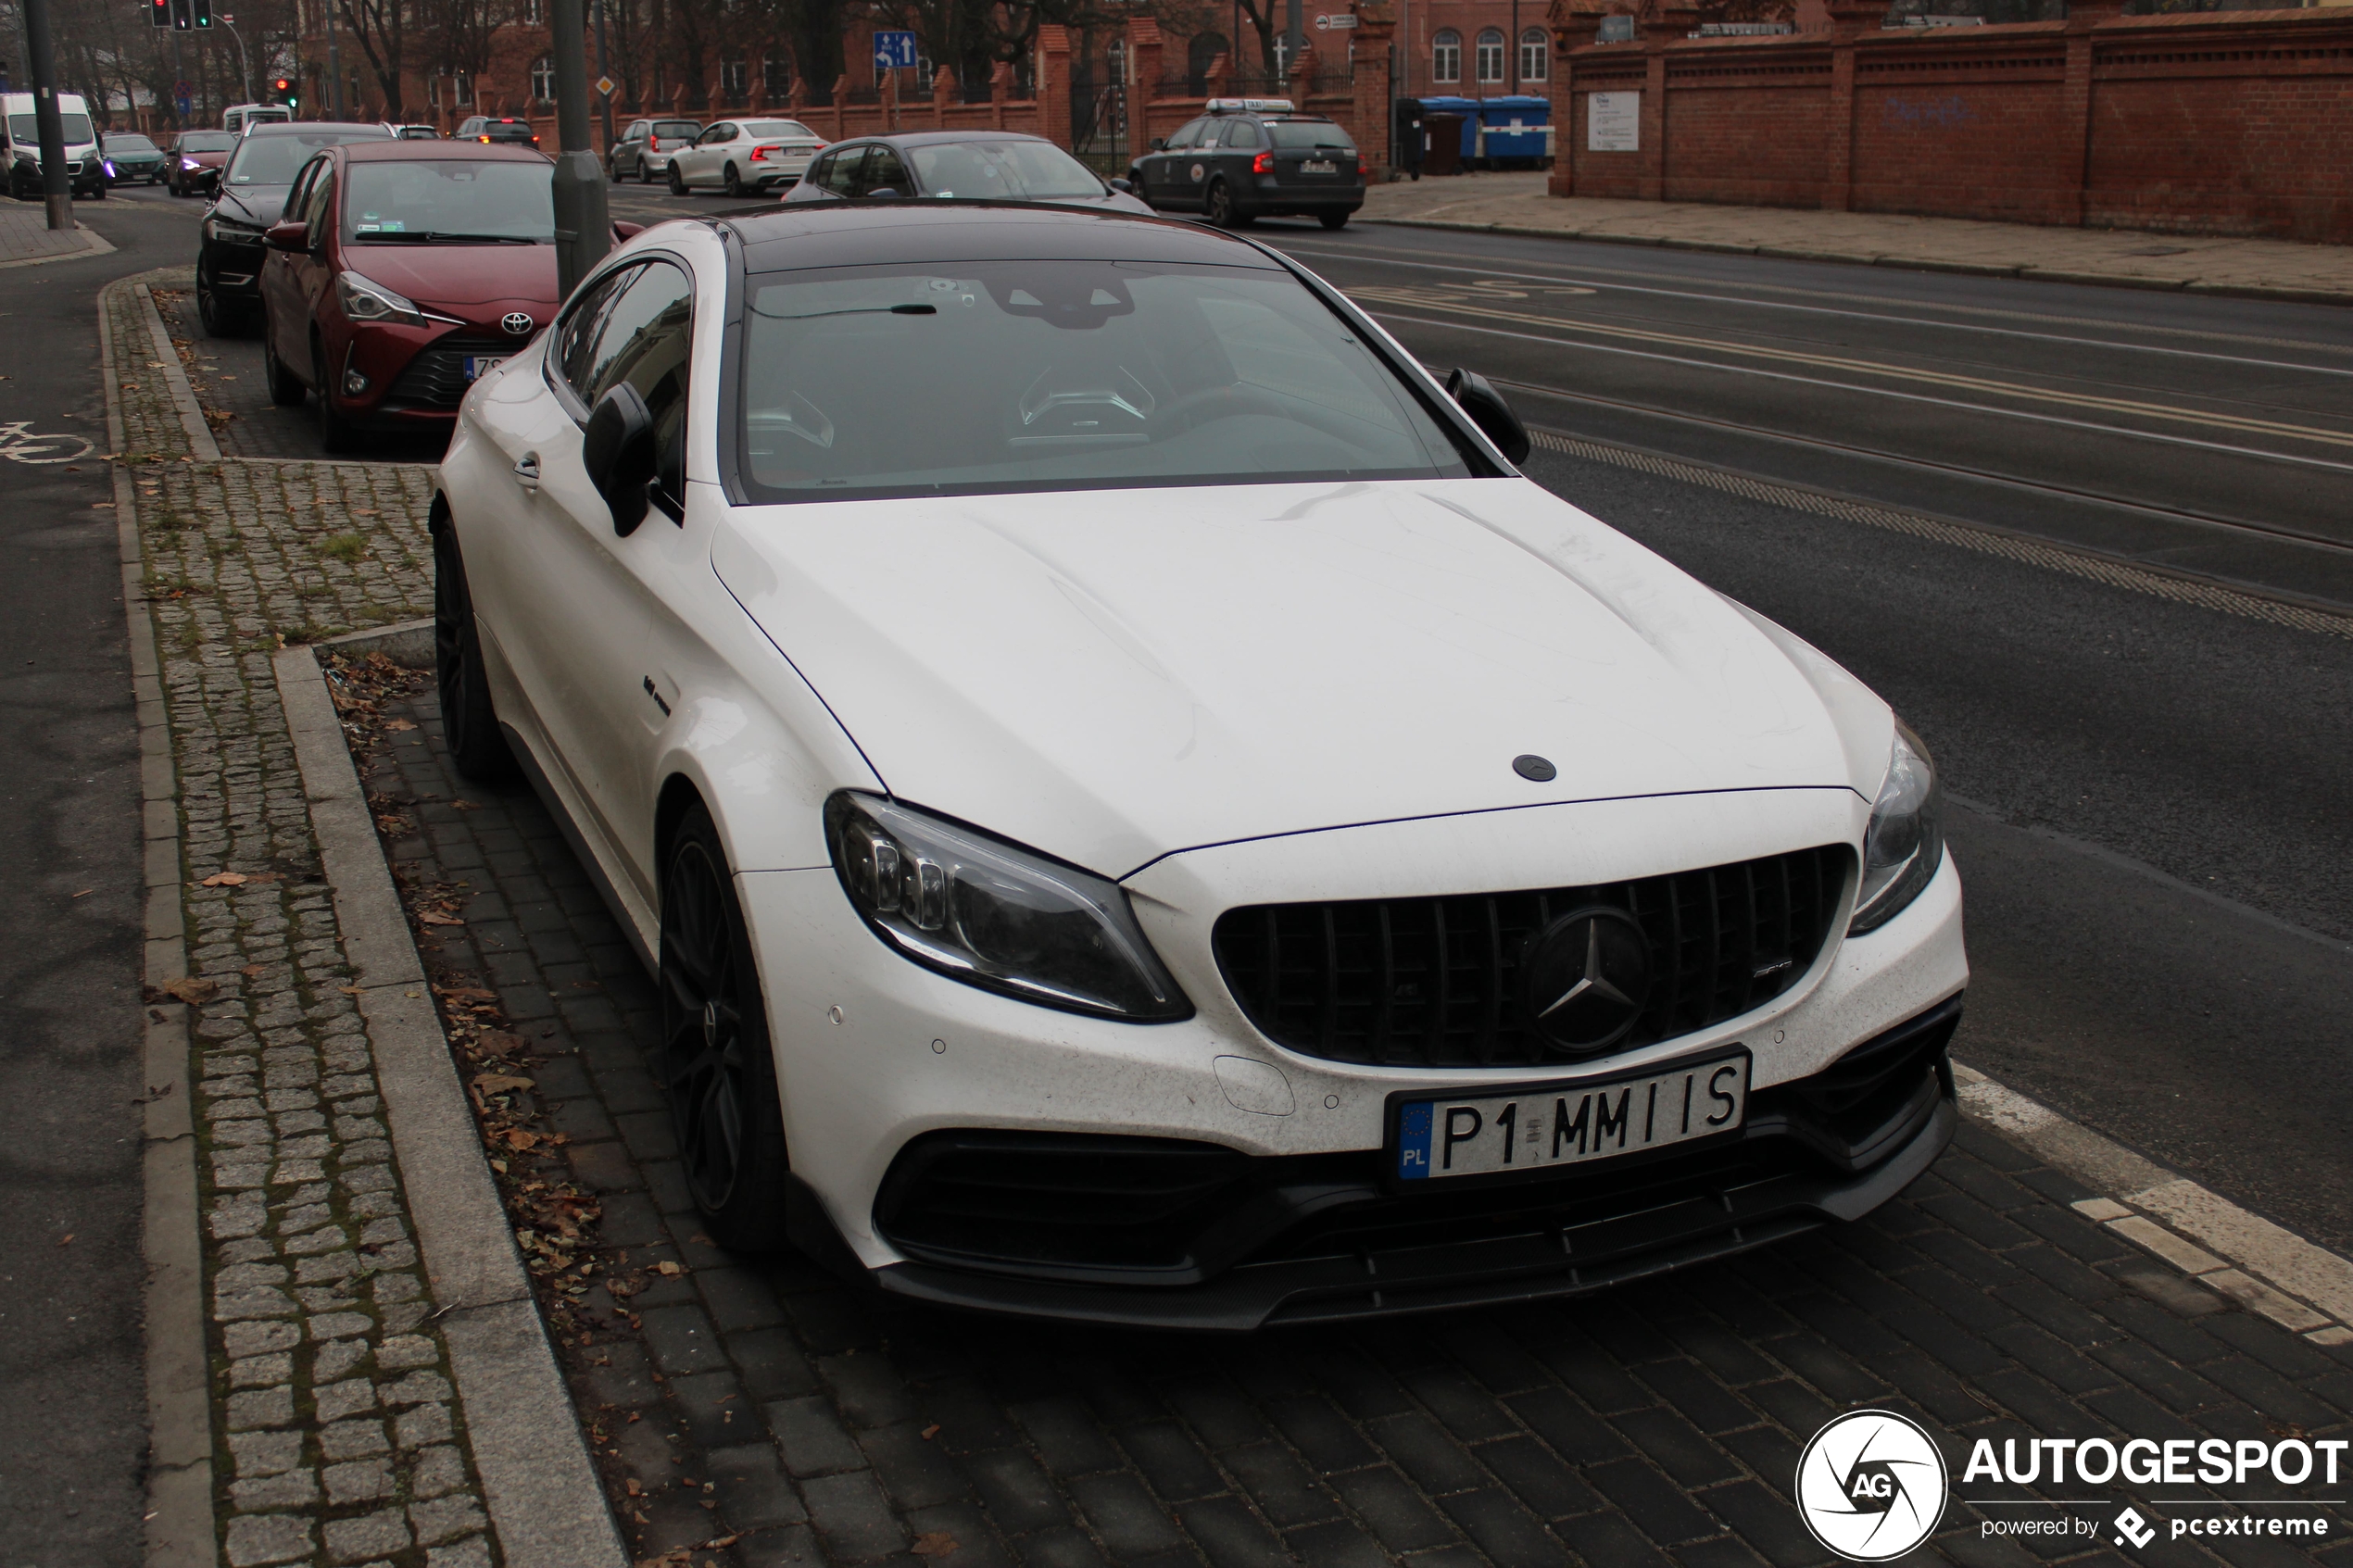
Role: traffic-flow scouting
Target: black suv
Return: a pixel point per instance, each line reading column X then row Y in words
column 1255, row 157
column 486, row 128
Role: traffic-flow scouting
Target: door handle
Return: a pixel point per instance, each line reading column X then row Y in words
column 527, row 471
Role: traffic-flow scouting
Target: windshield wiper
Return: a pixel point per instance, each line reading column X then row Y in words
column 429, row 237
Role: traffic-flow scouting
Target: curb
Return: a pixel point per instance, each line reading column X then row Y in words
column 545, row 1498
column 175, row 376
column 92, row 244
column 1895, row 263
column 2302, row 1286
column 181, row 1531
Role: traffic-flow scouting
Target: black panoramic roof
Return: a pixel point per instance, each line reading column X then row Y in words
column 854, row 235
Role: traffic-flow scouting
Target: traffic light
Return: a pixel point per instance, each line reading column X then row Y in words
column 282, row 91
column 183, row 17
column 204, row 13
column 159, row 12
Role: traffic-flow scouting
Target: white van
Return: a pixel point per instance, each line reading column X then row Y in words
column 242, row 115
column 21, row 144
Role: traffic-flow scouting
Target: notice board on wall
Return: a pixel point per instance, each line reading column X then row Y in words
column 1613, row 122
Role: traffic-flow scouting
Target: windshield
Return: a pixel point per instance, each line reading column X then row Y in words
column 1308, row 134
column 1003, row 171
column 1033, row 375
column 206, row 142
column 762, row 128
column 128, row 141
column 25, row 130
column 451, row 197
column 666, row 129
column 275, row 160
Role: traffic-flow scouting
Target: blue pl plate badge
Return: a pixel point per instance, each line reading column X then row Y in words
column 1413, row 1142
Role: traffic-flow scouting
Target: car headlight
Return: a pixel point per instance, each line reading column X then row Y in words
column 1006, row 919
column 364, row 301
column 222, row 227
column 1905, row 843
column 190, row 163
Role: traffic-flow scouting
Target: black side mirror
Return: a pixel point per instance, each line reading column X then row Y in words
column 617, row 450
column 1488, row 410
column 1160, row 144
column 1127, row 186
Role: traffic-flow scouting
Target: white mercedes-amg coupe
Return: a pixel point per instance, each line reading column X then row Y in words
column 1140, row 812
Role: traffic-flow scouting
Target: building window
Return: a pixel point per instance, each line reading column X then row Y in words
column 465, row 90
column 1490, row 57
column 1115, row 62
column 735, row 76
column 543, row 78
column 1446, row 56
column 775, row 76
column 531, row 13
column 1534, row 50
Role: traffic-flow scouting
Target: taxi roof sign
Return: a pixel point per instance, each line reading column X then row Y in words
column 1252, row 105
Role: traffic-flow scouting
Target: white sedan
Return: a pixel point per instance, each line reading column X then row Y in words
column 743, row 156
column 1141, row 813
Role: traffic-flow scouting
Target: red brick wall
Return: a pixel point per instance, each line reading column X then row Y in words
column 2213, row 123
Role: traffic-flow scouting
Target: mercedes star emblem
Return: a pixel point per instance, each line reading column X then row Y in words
column 517, row 323
column 1586, row 978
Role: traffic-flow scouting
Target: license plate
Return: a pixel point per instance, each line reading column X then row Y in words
column 1537, row 1126
column 477, row 368
column 1319, row 166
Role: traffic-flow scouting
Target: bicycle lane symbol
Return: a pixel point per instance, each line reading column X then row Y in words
column 18, row 442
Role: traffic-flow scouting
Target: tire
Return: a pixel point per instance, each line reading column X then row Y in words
column 1218, row 206
column 99, row 193
column 613, row 170
column 677, row 181
column 334, row 431
column 645, row 175
column 1333, row 219
column 218, row 317
column 732, row 182
column 285, row 391
column 715, row 1061
column 469, row 722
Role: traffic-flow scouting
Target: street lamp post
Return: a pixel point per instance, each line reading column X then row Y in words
column 47, row 123
column 245, row 66
column 583, row 232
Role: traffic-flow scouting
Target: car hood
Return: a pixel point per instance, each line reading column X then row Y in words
column 253, row 204
column 457, row 274
column 1114, row 676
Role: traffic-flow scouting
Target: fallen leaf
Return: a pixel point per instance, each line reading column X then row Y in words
column 465, row 805
column 518, row 1138
column 499, row 1083
column 498, row 1042
column 192, row 990
column 399, row 724
column 930, row 1432
column 434, row 917
column 466, row 993
column 668, row 1268
column 635, row 1490
column 934, row 1543
column 225, row 879
column 85, row 893
column 65, row 1238
column 353, row 990
column 499, row 1166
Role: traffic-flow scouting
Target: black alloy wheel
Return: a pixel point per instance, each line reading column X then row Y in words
column 715, row 1061
column 285, row 391
column 1218, row 206
column 732, row 181
column 469, row 722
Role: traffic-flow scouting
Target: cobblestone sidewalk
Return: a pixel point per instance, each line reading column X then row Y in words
column 338, row 1439
column 1518, row 203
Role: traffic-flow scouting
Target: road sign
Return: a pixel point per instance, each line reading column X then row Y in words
column 894, row 51
column 181, row 90
column 181, row 103
column 1340, row 21
column 605, row 84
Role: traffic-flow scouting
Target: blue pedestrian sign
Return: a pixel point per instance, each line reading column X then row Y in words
column 894, row 51
column 180, row 105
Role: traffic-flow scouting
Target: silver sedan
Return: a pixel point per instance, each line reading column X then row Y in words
column 743, row 156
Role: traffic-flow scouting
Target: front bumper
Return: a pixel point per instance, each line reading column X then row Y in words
column 232, row 268
column 1267, row 198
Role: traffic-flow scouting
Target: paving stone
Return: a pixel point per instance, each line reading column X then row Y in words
column 258, row 1539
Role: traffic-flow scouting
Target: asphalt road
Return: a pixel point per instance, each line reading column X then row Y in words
column 72, row 1362
column 2151, row 811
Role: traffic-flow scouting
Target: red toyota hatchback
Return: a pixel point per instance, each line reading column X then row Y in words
column 401, row 271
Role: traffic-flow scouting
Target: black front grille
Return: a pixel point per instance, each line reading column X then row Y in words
column 1435, row 982
column 436, row 376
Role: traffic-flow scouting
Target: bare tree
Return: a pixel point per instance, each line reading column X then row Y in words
column 381, row 28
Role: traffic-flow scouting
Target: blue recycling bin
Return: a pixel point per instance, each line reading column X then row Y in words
column 1514, row 127
column 1468, row 109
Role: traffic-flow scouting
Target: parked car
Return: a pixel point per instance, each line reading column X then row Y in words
column 643, row 145
column 416, row 133
column 194, row 160
column 399, row 274
column 965, row 165
column 1255, row 157
column 495, row 129
column 21, row 144
column 241, row 117
column 741, row 156
column 250, row 191
column 130, row 157
column 1141, row 814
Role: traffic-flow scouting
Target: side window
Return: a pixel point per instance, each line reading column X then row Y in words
column 576, row 334
column 323, row 200
column 298, row 194
column 884, row 171
column 642, row 340
column 1241, row 133
column 1185, row 135
column 841, row 173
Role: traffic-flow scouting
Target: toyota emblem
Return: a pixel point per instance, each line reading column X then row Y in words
column 517, row 323
column 1585, row 979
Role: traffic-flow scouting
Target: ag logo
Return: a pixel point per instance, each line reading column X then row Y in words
column 1872, row 1486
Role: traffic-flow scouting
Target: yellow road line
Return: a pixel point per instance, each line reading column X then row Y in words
column 1431, row 299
